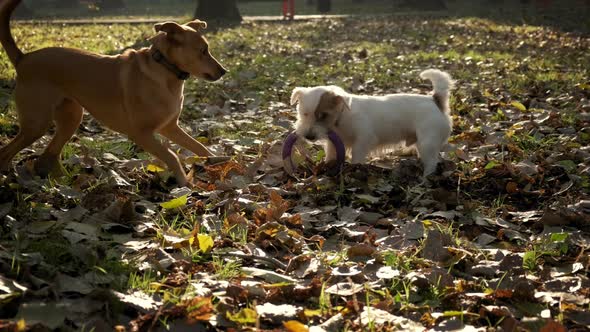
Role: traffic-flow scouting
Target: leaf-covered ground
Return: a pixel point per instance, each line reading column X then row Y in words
column 497, row 240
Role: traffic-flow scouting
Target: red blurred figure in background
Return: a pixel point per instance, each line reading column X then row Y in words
column 288, row 9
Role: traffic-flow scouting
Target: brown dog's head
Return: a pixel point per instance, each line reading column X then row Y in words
column 185, row 47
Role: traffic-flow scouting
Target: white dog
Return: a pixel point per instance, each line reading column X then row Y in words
column 378, row 124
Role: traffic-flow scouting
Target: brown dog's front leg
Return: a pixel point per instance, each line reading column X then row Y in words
column 151, row 145
column 173, row 132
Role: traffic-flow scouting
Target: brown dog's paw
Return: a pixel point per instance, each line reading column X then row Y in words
column 48, row 165
column 4, row 168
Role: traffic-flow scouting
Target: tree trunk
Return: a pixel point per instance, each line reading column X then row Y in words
column 110, row 4
column 425, row 4
column 218, row 10
column 324, row 6
column 23, row 11
column 66, row 3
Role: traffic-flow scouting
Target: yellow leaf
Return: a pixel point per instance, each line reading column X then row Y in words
column 21, row 325
column 518, row 105
column 175, row 203
column 167, row 297
column 205, row 242
column 295, row 326
column 155, row 168
column 427, row 223
column 244, row 316
column 155, row 286
column 584, row 86
column 309, row 313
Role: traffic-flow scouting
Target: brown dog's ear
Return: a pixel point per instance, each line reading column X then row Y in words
column 170, row 28
column 197, row 25
column 297, row 92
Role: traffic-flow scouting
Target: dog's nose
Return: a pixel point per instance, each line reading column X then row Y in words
column 222, row 71
column 310, row 136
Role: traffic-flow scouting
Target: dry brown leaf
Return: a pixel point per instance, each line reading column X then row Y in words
column 361, row 250
column 553, row 326
column 199, row 309
column 511, row 187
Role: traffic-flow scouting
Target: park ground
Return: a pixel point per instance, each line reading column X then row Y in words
column 497, row 240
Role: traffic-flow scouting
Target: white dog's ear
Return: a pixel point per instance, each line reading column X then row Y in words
column 344, row 102
column 297, row 92
column 337, row 101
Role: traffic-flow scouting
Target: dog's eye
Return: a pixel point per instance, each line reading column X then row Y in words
column 205, row 51
column 322, row 116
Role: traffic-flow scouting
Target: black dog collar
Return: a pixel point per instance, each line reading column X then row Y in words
column 160, row 58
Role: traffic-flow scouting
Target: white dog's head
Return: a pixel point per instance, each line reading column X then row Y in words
column 318, row 110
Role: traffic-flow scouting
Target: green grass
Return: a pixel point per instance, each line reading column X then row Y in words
column 226, row 269
column 142, row 281
column 530, row 143
column 121, row 148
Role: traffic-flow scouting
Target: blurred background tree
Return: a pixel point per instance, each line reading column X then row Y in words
column 425, row 4
column 217, row 10
column 66, row 3
column 109, row 4
column 23, row 11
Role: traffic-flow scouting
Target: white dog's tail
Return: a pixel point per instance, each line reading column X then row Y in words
column 442, row 84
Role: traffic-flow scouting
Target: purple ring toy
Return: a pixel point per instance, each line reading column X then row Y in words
column 292, row 139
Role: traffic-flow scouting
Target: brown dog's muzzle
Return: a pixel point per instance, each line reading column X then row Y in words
column 219, row 72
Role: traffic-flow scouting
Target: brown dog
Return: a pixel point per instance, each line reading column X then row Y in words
column 138, row 93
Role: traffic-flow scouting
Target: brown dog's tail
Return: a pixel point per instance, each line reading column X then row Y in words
column 6, row 9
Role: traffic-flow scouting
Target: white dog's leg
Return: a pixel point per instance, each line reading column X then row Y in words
column 360, row 150
column 330, row 151
column 429, row 155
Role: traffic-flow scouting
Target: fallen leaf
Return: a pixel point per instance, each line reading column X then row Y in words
column 205, row 242
column 518, row 106
column 295, row 326
column 175, row 203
